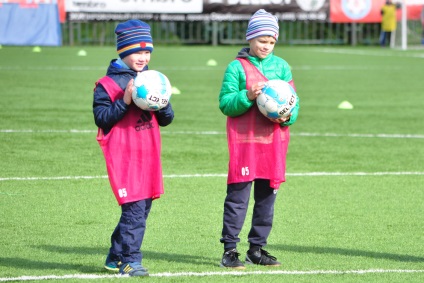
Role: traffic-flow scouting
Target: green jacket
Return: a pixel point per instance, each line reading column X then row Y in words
column 233, row 99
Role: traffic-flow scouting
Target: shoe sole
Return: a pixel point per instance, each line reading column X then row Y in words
column 116, row 269
column 233, row 267
column 135, row 274
column 268, row 265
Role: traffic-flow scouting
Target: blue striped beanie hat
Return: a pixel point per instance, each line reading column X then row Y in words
column 262, row 23
column 133, row 36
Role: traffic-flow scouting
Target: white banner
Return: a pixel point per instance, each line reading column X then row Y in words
column 414, row 2
column 195, row 10
column 134, row 6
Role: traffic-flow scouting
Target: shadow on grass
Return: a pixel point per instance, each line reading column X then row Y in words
column 25, row 263
column 28, row 264
column 347, row 252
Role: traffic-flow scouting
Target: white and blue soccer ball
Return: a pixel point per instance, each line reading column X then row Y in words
column 152, row 90
column 277, row 99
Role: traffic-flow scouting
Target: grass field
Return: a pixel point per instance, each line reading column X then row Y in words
column 352, row 208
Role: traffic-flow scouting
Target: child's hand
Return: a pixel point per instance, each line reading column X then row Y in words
column 128, row 92
column 280, row 120
column 255, row 90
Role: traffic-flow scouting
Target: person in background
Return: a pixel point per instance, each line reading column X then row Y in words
column 388, row 22
column 257, row 145
column 131, row 145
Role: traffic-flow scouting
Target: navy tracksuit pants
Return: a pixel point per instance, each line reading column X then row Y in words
column 235, row 209
column 128, row 235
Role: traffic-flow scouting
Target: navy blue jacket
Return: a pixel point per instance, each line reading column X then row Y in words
column 107, row 114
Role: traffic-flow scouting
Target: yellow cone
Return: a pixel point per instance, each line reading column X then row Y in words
column 36, row 49
column 212, row 62
column 345, row 105
column 175, row 90
column 82, row 53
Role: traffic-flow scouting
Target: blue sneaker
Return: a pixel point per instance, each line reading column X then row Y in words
column 133, row 269
column 112, row 265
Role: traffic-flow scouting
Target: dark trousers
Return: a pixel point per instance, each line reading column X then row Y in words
column 235, row 209
column 385, row 38
column 128, row 235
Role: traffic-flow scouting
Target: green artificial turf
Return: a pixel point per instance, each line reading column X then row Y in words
column 350, row 211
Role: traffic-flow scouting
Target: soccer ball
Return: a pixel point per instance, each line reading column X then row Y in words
column 152, row 90
column 277, row 99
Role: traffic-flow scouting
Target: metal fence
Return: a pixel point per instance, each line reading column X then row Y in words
column 220, row 33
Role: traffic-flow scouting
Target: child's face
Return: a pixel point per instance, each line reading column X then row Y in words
column 261, row 46
column 138, row 60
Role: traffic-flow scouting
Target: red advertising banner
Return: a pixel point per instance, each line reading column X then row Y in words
column 365, row 11
column 62, row 12
column 356, row 11
column 414, row 12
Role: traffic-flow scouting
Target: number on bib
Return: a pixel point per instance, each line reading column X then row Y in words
column 122, row 193
column 245, row 171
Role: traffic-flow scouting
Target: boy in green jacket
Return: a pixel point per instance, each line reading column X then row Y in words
column 257, row 145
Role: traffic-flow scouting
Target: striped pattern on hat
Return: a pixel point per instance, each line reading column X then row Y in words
column 262, row 23
column 133, row 36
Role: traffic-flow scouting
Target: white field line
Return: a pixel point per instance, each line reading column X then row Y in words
column 98, row 68
column 398, row 136
column 203, row 274
column 341, row 68
column 220, row 69
column 369, row 53
column 46, row 131
column 218, row 175
column 75, row 131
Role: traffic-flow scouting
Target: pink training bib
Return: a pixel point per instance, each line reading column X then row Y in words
column 257, row 146
column 132, row 152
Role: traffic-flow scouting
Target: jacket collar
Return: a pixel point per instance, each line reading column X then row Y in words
column 244, row 53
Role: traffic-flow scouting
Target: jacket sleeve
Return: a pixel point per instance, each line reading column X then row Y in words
column 165, row 115
column 107, row 113
column 233, row 99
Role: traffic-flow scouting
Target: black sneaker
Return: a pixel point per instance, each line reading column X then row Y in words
column 261, row 257
column 230, row 260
